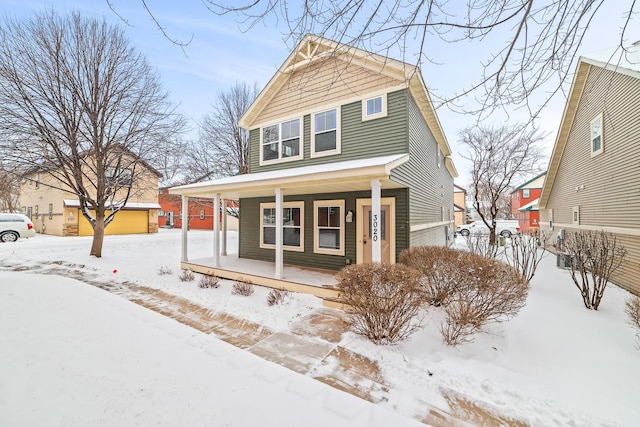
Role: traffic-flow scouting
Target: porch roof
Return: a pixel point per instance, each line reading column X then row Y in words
column 350, row 175
column 532, row 206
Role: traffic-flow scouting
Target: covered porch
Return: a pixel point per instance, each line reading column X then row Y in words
column 370, row 175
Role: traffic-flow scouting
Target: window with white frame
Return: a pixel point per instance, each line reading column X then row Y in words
column 292, row 226
column 597, row 135
column 551, row 219
column 281, row 141
column 328, row 225
column 373, row 108
column 526, row 193
column 576, row 215
column 325, row 133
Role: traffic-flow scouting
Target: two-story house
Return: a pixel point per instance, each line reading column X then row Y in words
column 52, row 207
column 348, row 164
column 200, row 211
column 459, row 205
column 524, row 203
column 593, row 179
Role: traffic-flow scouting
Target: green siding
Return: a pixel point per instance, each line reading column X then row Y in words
column 249, row 243
column 371, row 138
column 431, row 187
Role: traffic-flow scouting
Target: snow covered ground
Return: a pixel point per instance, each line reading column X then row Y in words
column 72, row 354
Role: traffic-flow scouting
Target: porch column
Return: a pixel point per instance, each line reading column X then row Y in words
column 216, row 230
column 224, row 227
column 376, row 223
column 279, row 223
column 185, row 222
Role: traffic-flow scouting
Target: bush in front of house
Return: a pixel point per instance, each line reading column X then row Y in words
column 277, row 296
column 164, row 270
column 632, row 309
column 187, row 276
column 490, row 292
column 383, row 299
column 473, row 290
column 242, row 287
column 209, row 281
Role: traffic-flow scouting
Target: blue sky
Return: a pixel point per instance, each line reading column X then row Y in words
column 221, row 54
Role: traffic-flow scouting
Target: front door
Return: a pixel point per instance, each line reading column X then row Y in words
column 386, row 231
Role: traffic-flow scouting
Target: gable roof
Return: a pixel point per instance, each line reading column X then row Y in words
column 526, row 184
column 313, row 49
column 624, row 61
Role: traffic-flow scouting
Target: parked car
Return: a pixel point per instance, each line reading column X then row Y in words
column 504, row 228
column 15, row 226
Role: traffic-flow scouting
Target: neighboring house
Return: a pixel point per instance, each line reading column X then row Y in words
column 524, row 203
column 348, row 155
column 459, row 205
column 593, row 179
column 200, row 212
column 54, row 210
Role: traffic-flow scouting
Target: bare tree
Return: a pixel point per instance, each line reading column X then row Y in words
column 79, row 103
column 224, row 145
column 537, row 40
column 499, row 155
column 9, row 183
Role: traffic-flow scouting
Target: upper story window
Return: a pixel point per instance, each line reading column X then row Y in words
column 325, row 133
column 526, row 193
column 281, row 142
column 597, row 135
column 118, row 177
column 375, row 107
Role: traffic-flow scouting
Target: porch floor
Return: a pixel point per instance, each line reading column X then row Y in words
column 322, row 284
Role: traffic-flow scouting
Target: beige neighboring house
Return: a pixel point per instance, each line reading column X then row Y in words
column 56, row 210
column 593, row 180
column 459, row 205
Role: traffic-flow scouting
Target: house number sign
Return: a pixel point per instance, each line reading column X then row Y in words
column 374, row 228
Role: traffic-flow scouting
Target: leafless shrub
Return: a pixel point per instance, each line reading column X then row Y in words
column 383, row 298
column 162, row 271
column 277, row 296
column 209, row 281
column 594, row 257
column 632, row 309
column 525, row 252
column 438, row 265
column 187, row 276
column 244, row 288
column 492, row 292
column 480, row 244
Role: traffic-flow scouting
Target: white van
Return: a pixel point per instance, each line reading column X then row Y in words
column 15, row 226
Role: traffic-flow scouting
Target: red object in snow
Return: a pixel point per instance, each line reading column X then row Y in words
column 115, row 271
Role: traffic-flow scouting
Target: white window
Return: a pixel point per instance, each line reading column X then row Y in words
column 117, row 177
column 325, row 133
column 439, row 155
column 292, row 226
column 597, row 135
column 328, row 225
column 281, row 141
column 551, row 219
column 526, row 193
column 576, row 215
column 373, row 108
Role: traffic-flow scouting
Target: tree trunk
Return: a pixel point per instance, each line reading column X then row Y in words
column 98, row 236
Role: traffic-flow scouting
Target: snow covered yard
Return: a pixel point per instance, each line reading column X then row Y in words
column 556, row 363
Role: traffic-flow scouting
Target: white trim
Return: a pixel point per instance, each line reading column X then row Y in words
column 281, row 159
column 575, row 215
column 374, row 116
column 316, row 238
column 338, row 148
column 360, row 203
column 613, row 230
column 185, row 226
column 272, row 205
column 279, row 246
column 597, row 120
column 72, row 203
column 216, row 230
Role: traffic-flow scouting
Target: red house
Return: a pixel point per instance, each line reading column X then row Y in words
column 524, row 203
column 200, row 212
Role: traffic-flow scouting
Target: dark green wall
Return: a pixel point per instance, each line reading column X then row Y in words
column 371, row 138
column 249, row 244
